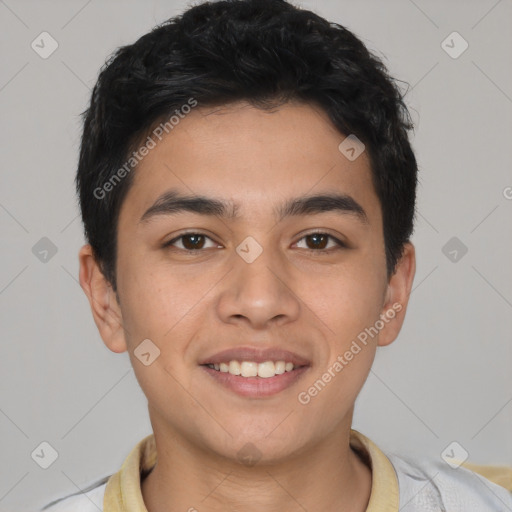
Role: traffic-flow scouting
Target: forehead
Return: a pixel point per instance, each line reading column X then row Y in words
column 253, row 158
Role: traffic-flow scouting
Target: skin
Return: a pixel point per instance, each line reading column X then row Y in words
column 192, row 305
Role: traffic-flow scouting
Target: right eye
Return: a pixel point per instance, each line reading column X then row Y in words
column 191, row 242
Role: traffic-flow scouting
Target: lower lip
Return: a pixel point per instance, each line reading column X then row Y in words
column 256, row 387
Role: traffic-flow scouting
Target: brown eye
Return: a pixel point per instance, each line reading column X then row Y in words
column 318, row 242
column 189, row 242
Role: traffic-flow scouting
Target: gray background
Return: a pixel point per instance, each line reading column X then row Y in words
column 446, row 378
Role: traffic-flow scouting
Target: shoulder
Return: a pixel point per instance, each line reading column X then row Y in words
column 501, row 475
column 432, row 484
column 88, row 500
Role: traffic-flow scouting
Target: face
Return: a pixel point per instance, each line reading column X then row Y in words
column 258, row 279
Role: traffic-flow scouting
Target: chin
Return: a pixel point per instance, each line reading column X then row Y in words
column 258, row 442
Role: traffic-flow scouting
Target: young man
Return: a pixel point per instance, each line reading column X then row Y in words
column 248, row 191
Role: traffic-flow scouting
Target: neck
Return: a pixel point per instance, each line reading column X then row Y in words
column 318, row 479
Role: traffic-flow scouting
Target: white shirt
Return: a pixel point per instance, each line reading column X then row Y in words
column 399, row 484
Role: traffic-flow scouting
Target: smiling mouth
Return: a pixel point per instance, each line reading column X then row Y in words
column 263, row 370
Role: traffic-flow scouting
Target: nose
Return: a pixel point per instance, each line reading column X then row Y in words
column 258, row 292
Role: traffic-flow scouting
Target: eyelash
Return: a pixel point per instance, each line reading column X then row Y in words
column 338, row 242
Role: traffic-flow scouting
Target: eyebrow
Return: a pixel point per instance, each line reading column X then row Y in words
column 173, row 202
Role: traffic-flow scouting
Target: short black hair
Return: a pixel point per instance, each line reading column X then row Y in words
column 266, row 52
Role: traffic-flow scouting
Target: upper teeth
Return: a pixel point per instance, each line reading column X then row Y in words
column 253, row 369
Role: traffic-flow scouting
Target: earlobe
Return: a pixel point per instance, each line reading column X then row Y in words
column 102, row 299
column 397, row 295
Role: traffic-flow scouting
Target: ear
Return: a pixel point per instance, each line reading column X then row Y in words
column 397, row 295
column 102, row 298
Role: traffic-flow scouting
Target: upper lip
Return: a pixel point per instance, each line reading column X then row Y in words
column 258, row 355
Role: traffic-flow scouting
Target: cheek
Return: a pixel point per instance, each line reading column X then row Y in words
column 155, row 296
column 349, row 305
column 350, row 351
column 347, row 301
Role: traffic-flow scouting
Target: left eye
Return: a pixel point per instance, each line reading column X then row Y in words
column 319, row 241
